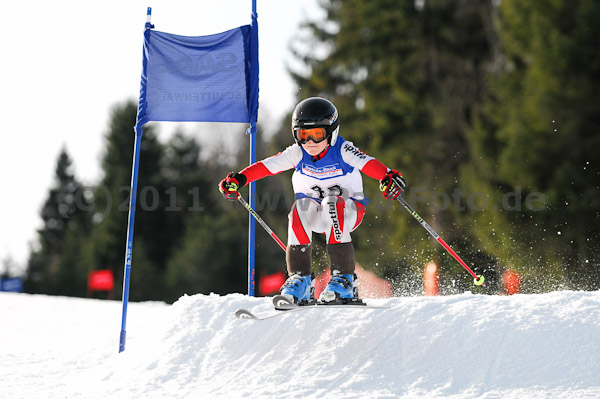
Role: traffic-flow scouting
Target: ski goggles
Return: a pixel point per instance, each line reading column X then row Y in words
column 316, row 134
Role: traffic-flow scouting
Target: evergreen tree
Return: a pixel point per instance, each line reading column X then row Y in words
column 537, row 136
column 406, row 81
column 56, row 266
column 107, row 247
column 212, row 254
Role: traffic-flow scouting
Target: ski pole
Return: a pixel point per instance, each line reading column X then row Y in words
column 262, row 222
column 479, row 279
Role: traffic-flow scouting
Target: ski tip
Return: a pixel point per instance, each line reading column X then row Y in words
column 283, row 302
column 244, row 314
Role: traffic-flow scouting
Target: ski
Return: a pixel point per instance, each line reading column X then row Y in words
column 246, row 314
column 283, row 306
column 282, row 302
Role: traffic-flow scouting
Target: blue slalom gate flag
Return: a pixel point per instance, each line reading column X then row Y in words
column 195, row 79
column 199, row 79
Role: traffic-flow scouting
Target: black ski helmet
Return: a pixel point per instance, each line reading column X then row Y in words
column 316, row 112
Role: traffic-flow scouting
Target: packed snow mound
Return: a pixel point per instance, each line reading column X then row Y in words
column 464, row 346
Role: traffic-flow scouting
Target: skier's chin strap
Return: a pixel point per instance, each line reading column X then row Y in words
column 320, row 155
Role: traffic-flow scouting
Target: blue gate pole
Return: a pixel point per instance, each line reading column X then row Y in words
column 252, row 131
column 130, row 223
column 252, row 223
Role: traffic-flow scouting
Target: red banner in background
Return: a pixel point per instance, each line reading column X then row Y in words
column 270, row 284
column 101, row 280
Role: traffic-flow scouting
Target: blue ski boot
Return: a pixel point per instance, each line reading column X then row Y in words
column 297, row 288
column 339, row 287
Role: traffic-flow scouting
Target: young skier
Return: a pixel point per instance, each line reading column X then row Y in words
column 328, row 187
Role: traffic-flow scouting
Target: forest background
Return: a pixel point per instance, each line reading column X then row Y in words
column 488, row 108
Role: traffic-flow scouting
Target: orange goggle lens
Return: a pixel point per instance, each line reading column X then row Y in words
column 316, row 134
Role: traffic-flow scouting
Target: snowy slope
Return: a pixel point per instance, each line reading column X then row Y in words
column 465, row 346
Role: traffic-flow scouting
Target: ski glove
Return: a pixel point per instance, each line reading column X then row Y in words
column 392, row 185
column 230, row 185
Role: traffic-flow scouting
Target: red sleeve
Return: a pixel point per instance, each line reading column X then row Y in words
column 255, row 172
column 375, row 169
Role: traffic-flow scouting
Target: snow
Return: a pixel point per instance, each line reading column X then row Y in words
column 462, row 346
